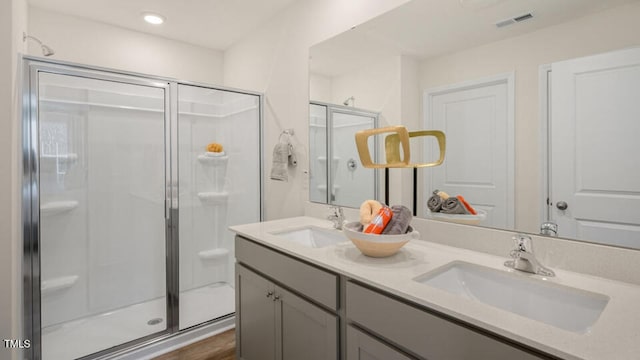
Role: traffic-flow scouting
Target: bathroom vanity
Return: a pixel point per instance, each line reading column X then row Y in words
column 303, row 291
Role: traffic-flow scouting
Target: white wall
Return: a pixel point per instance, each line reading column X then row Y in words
column 88, row 42
column 274, row 59
column 13, row 21
column 389, row 85
column 376, row 87
column 319, row 88
column 610, row 30
column 410, row 97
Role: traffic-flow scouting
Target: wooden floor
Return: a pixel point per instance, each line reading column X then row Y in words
column 218, row 347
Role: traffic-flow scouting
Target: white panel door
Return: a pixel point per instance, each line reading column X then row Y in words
column 595, row 168
column 479, row 156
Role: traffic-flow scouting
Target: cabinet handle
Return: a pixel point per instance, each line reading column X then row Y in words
column 277, row 297
column 269, row 294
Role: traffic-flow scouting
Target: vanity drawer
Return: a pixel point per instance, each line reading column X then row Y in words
column 313, row 282
column 421, row 332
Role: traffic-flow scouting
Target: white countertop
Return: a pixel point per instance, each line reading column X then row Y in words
column 615, row 335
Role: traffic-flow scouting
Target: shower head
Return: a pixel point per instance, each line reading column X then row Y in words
column 346, row 102
column 46, row 50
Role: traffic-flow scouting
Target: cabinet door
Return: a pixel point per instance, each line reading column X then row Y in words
column 361, row 346
column 306, row 331
column 255, row 322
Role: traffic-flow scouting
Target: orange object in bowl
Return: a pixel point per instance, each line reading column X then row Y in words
column 380, row 221
column 467, row 205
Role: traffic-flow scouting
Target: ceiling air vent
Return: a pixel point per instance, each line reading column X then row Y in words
column 514, row 20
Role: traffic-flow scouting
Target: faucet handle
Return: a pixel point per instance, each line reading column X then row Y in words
column 336, row 210
column 523, row 242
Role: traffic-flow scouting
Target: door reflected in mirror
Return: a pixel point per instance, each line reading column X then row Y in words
column 559, row 144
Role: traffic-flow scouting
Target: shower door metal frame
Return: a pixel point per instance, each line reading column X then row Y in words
column 31, row 272
column 332, row 109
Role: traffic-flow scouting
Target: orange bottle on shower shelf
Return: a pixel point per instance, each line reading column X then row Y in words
column 379, row 221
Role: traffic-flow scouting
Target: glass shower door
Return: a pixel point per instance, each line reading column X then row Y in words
column 101, row 148
column 351, row 183
column 218, row 186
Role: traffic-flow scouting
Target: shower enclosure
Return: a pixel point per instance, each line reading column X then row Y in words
column 343, row 180
column 125, row 211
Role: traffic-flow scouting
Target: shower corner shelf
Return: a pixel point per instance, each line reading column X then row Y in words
column 64, row 158
column 213, row 254
column 56, row 284
column 220, row 160
column 213, row 198
column 58, row 207
column 323, row 187
column 323, row 161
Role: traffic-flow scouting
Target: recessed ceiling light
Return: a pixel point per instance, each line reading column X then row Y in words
column 152, row 18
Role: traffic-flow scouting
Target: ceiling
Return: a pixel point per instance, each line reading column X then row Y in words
column 215, row 24
column 428, row 28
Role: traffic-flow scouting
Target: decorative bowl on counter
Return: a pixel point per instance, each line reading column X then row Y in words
column 458, row 218
column 377, row 245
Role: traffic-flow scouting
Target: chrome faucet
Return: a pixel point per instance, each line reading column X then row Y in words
column 549, row 228
column 337, row 217
column 523, row 258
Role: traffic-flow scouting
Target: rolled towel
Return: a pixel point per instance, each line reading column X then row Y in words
column 435, row 203
column 368, row 210
column 442, row 194
column 453, row 206
column 399, row 223
column 280, row 161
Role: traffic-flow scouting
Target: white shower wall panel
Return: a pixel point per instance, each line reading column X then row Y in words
column 230, row 119
column 101, row 149
column 63, row 233
column 126, row 207
column 318, row 153
column 63, row 240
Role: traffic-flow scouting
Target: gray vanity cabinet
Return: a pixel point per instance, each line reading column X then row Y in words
column 256, row 314
column 307, row 331
column 361, row 346
column 275, row 318
column 423, row 333
column 289, row 309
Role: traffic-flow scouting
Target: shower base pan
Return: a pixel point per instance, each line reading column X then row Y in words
column 86, row 336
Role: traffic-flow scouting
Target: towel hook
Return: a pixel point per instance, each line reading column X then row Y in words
column 288, row 133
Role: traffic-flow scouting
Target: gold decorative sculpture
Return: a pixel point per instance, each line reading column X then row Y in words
column 400, row 132
column 399, row 136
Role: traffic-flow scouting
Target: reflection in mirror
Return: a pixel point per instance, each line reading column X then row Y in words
column 349, row 181
column 515, row 98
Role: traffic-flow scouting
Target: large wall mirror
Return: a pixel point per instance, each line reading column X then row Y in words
column 539, row 100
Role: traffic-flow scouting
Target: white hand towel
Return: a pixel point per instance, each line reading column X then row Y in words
column 280, row 160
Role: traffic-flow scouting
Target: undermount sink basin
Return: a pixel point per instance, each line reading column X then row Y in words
column 557, row 305
column 312, row 236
